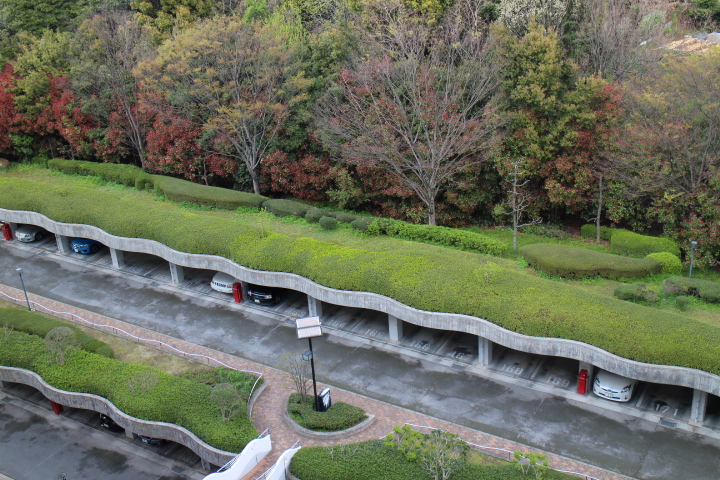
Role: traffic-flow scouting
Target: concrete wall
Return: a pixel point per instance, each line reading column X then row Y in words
column 99, row 404
column 583, row 352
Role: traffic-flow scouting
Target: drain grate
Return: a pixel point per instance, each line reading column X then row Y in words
column 457, row 366
column 154, row 284
column 177, row 469
column 665, row 423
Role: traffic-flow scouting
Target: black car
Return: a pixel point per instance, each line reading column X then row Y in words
column 263, row 295
column 109, row 423
column 155, row 442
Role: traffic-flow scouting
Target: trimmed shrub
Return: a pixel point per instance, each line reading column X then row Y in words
column 590, row 231
column 340, row 416
column 286, row 208
column 574, row 262
column 345, row 217
column 40, row 325
column 362, row 223
column 328, row 223
column 671, row 265
column 436, row 280
column 682, row 302
column 636, row 245
column 179, row 190
column 313, row 214
column 703, row 289
column 637, row 292
column 4, row 164
column 110, row 172
column 546, row 230
column 172, row 399
column 450, row 237
column 41, row 161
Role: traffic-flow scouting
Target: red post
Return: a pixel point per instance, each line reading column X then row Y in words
column 7, row 231
column 582, row 382
column 237, row 292
column 57, row 408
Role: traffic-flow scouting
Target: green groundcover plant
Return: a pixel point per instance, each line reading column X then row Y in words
column 465, row 283
column 169, row 398
column 340, row 416
column 374, row 460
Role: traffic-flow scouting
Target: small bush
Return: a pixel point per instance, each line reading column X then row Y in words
column 546, row 230
column 590, row 231
column 682, row 302
column 637, row 292
column 41, row 161
column 340, row 416
column 286, row 208
column 362, row 223
column 574, row 262
column 328, row 223
column 345, row 217
column 636, row 245
column 314, row 215
column 703, row 289
column 4, row 164
column 671, row 265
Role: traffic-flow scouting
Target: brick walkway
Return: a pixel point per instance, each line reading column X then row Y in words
column 268, row 410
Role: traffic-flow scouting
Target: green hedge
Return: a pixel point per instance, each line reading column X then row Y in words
column 546, row 230
column 180, row 190
column 313, row 214
column 373, row 460
column 328, row 223
column 590, row 231
column 345, row 217
column 703, row 289
column 440, row 280
column 286, row 208
column 636, row 245
column 671, row 265
column 128, row 175
column 362, row 223
column 637, row 292
column 574, row 262
column 451, row 237
column 36, row 324
column 174, row 399
column 340, row 416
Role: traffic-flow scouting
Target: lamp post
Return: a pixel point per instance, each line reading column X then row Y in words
column 310, row 328
column 693, row 246
column 19, row 270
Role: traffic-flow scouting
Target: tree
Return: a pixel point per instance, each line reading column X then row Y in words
column 299, row 372
column 441, row 453
column 421, row 117
column 227, row 76
column 558, row 122
column 616, row 37
column 517, row 15
column 517, row 198
column 61, row 344
column 110, row 48
column 534, row 464
column 228, row 399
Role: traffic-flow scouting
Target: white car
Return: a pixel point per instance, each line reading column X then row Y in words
column 222, row 282
column 30, row 233
column 614, row 387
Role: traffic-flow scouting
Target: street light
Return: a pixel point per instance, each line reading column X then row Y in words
column 693, row 246
column 310, row 328
column 19, row 270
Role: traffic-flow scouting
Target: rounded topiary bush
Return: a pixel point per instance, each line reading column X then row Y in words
column 682, row 302
column 362, row 223
column 635, row 245
column 590, row 231
column 340, row 416
column 344, row 217
column 328, row 223
column 671, row 265
column 285, row 208
column 637, row 292
column 314, row 215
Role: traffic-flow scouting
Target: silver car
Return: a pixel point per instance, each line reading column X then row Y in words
column 30, row 233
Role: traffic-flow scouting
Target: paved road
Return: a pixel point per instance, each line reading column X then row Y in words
column 633, row 446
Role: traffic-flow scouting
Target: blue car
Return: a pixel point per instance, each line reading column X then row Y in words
column 85, row 245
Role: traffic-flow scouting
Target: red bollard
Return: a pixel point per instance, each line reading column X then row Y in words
column 237, row 292
column 57, row 408
column 582, row 382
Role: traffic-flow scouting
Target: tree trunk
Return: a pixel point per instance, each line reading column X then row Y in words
column 255, row 180
column 431, row 214
column 599, row 210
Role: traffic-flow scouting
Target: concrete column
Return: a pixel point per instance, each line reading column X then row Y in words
column 395, row 325
column 314, row 307
column 2, row 385
column 63, row 243
column 485, row 347
column 699, row 405
column 118, row 259
column 205, row 465
column 129, row 434
column 244, row 286
column 176, row 272
column 13, row 227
